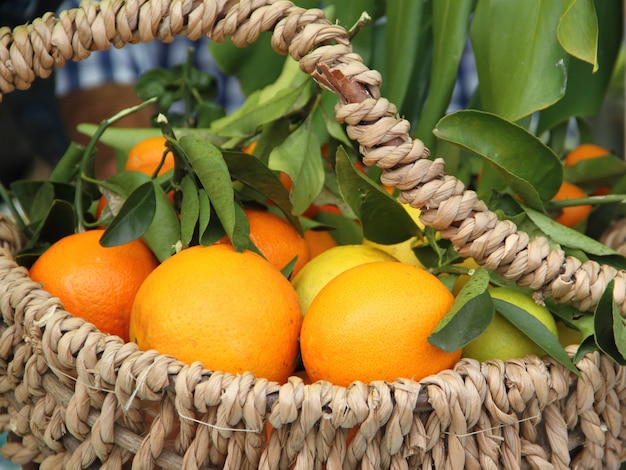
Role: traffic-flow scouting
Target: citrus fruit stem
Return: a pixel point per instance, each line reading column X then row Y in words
column 78, row 196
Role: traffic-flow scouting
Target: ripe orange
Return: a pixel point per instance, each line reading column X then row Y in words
column 318, row 241
column 93, row 282
column 372, row 322
column 584, row 152
column 573, row 215
column 232, row 311
column 146, row 155
column 277, row 239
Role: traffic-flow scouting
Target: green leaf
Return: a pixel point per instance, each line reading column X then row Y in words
column 164, row 231
column 300, row 157
column 383, row 219
column 577, row 31
column 586, row 90
column 566, row 236
column 291, row 91
column 122, row 139
column 255, row 65
column 255, row 174
column 404, row 46
column 530, row 168
column 56, row 223
column 598, row 171
column 470, row 314
column 189, row 209
column 521, row 66
column 536, row 331
column 610, row 328
column 204, row 217
column 212, row 171
column 134, row 217
column 450, row 27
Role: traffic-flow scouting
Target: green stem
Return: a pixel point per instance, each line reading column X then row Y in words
column 78, row 199
column 593, row 200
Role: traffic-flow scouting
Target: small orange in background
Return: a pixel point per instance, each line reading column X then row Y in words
column 94, row 282
column 232, row 311
column 584, row 152
column 372, row 322
column 146, row 155
column 318, row 241
column 277, row 239
column 587, row 152
column 572, row 215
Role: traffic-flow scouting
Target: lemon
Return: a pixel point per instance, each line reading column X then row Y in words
column 503, row 340
column 327, row 265
column 403, row 251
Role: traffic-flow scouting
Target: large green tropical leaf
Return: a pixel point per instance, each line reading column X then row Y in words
column 586, row 90
column 450, row 27
column 521, row 66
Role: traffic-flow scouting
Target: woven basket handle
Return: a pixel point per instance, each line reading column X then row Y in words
column 324, row 51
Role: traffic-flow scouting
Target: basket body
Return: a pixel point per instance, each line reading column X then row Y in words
column 73, row 397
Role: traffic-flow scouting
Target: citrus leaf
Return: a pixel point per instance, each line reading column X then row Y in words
column 577, row 31
column 189, row 209
column 530, row 168
column 204, row 218
column 54, row 225
column 289, row 92
column 134, row 217
column 470, row 314
column 586, row 90
column 606, row 169
column 536, row 331
column 383, row 219
column 300, row 157
column 566, row 236
column 610, row 327
column 212, row 171
column 164, row 231
column 521, row 66
column 255, row 174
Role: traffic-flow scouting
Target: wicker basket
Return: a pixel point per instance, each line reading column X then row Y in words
column 76, row 398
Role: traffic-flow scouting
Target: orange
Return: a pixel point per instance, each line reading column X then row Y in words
column 277, row 239
column 584, row 152
column 146, row 155
column 372, row 322
column 94, row 282
column 318, row 241
column 232, row 311
column 573, row 215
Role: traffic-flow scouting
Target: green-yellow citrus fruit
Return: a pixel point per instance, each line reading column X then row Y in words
column 329, row 264
column 503, row 340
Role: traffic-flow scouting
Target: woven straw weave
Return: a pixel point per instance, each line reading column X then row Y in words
column 76, row 398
